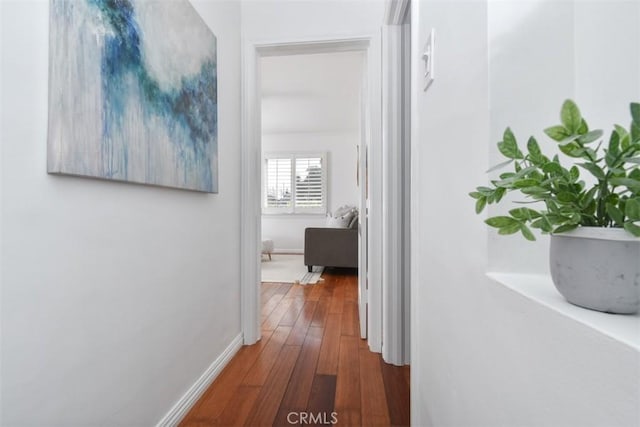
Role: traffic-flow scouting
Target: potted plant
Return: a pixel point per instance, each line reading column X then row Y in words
column 594, row 223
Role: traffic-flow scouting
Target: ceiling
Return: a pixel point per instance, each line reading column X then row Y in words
column 311, row 93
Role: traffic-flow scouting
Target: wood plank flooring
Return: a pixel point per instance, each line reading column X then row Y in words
column 309, row 368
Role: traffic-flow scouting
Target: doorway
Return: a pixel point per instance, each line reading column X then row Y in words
column 310, row 134
column 252, row 190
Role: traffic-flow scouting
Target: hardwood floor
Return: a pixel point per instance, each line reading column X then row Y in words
column 309, row 368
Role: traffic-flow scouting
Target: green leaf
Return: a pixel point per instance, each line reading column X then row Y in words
column 594, row 169
column 546, row 225
column 552, row 167
column 499, row 166
column 631, row 184
column 566, row 197
column 570, row 116
column 584, row 127
column 553, row 207
column 537, row 223
column 500, row 221
column 635, row 160
column 572, row 150
column 616, row 214
column 524, row 214
column 525, row 171
column 617, row 172
column 506, row 175
column 614, row 143
column 505, row 183
column 535, row 154
column 557, row 133
column 587, row 197
column 589, row 154
column 625, row 141
column 621, row 131
column 590, row 137
column 536, row 175
column 509, row 147
column 635, row 112
column 526, row 232
column 574, row 174
column 485, row 190
column 534, row 190
column 499, row 193
column 635, row 132
column 533, row 147
column 632, row 228
column 591, row 193
column 632, row 209
column 480, row 204
column 476, row 194
column 510, row 229
column 564, row 228
column 523, row 183
column 568, row 141
column 623, row 136
column 557, row 219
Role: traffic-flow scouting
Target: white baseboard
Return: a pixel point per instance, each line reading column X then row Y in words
column 184, row 404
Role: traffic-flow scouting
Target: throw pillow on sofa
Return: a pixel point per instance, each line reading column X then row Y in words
column 337, row 222
column 344, row 210
column 341, row 217
column 354, row 221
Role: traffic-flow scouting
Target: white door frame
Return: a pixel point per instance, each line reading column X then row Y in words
column 397, row 183
column 251, row 164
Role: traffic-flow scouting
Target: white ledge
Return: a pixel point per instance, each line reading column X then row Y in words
column 539, row 288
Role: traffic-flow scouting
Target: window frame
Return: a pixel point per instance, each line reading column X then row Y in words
column 293, row 209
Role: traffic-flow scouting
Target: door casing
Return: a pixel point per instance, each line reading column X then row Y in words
column 250, row 243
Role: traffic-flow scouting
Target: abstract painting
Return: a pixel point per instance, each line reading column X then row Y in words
column 133, row 93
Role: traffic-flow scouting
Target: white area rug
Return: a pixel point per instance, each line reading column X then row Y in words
column 289, row 269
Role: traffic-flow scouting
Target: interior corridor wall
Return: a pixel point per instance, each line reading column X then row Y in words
column 482, row 354
column 115, row 297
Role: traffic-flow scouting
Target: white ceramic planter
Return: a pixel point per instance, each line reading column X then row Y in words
column 597, row 268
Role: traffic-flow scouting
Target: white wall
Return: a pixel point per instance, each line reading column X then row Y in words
column 541, row 53
column 287, row 231
column 115, row 297
column 607, row 60
column 483, row 355
column 277, row 20
column 524, row 39
column 309, row 93
column 284, row 21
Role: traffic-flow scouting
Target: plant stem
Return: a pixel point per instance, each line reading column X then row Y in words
column 601, row 210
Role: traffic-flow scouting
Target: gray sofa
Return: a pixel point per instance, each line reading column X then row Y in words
column 331, row 247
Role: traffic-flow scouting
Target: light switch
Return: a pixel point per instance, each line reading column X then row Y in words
column 427, row 60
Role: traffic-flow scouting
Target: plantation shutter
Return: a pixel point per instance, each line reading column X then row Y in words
column 294, row 183
column 309, row 183
column 278, row 183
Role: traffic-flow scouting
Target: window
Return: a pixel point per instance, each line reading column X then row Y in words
column 294, row 183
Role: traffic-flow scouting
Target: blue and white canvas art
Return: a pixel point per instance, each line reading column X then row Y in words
column 133, row 93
